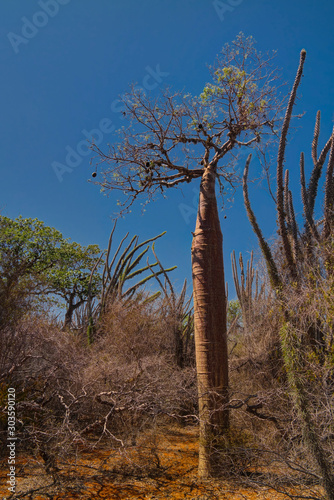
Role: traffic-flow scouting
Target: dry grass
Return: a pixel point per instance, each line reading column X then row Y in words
column 162, row 465
column 102, row 414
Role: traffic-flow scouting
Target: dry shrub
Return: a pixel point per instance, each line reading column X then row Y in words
column 138, row 328
column 70, row 395
column 265, row 401
column 41, row 364
column 136, row 356
column 257, row 375
column 133, row 330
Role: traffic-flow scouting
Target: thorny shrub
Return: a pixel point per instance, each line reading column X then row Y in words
column 263, row 399
column 70, row 395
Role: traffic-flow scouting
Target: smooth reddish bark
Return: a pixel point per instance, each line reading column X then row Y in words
column 210, row 322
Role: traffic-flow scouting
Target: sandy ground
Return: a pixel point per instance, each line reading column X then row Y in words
column 160, row 466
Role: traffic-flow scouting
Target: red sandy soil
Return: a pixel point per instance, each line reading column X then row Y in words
column 160, row 466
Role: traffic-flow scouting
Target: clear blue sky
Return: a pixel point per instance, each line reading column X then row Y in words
column 63, row 65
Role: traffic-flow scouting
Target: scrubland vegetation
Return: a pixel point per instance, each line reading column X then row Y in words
column 109, row 399
column 122, row 395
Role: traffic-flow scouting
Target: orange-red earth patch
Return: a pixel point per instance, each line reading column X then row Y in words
column 162, row 465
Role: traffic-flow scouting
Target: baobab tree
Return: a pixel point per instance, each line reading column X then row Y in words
column 174, row 139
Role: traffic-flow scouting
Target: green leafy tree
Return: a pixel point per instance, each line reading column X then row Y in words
column 234, row 314
column 174, row 139
column 36, row 262
column 26, row 253
column 70, row 277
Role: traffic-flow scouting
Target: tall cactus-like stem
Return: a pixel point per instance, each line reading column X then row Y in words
column 286, row 201
column 290, row 217
column 294, row 229
column 248, row 292
column 317, row 168
column 244, row 287
column 315, row 139
column 291, row 349
column 310, row 227
column 292, row 335
column 235, row 276
column 329, row 193
column 250, row 277
column 280, row 160
column 270, row 263
column 242, row 275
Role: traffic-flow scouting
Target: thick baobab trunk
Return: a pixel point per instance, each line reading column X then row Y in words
column 210, row 323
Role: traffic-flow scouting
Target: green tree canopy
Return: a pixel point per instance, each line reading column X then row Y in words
column 36, row 261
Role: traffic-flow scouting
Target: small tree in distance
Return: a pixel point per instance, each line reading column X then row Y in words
column 174, row 139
